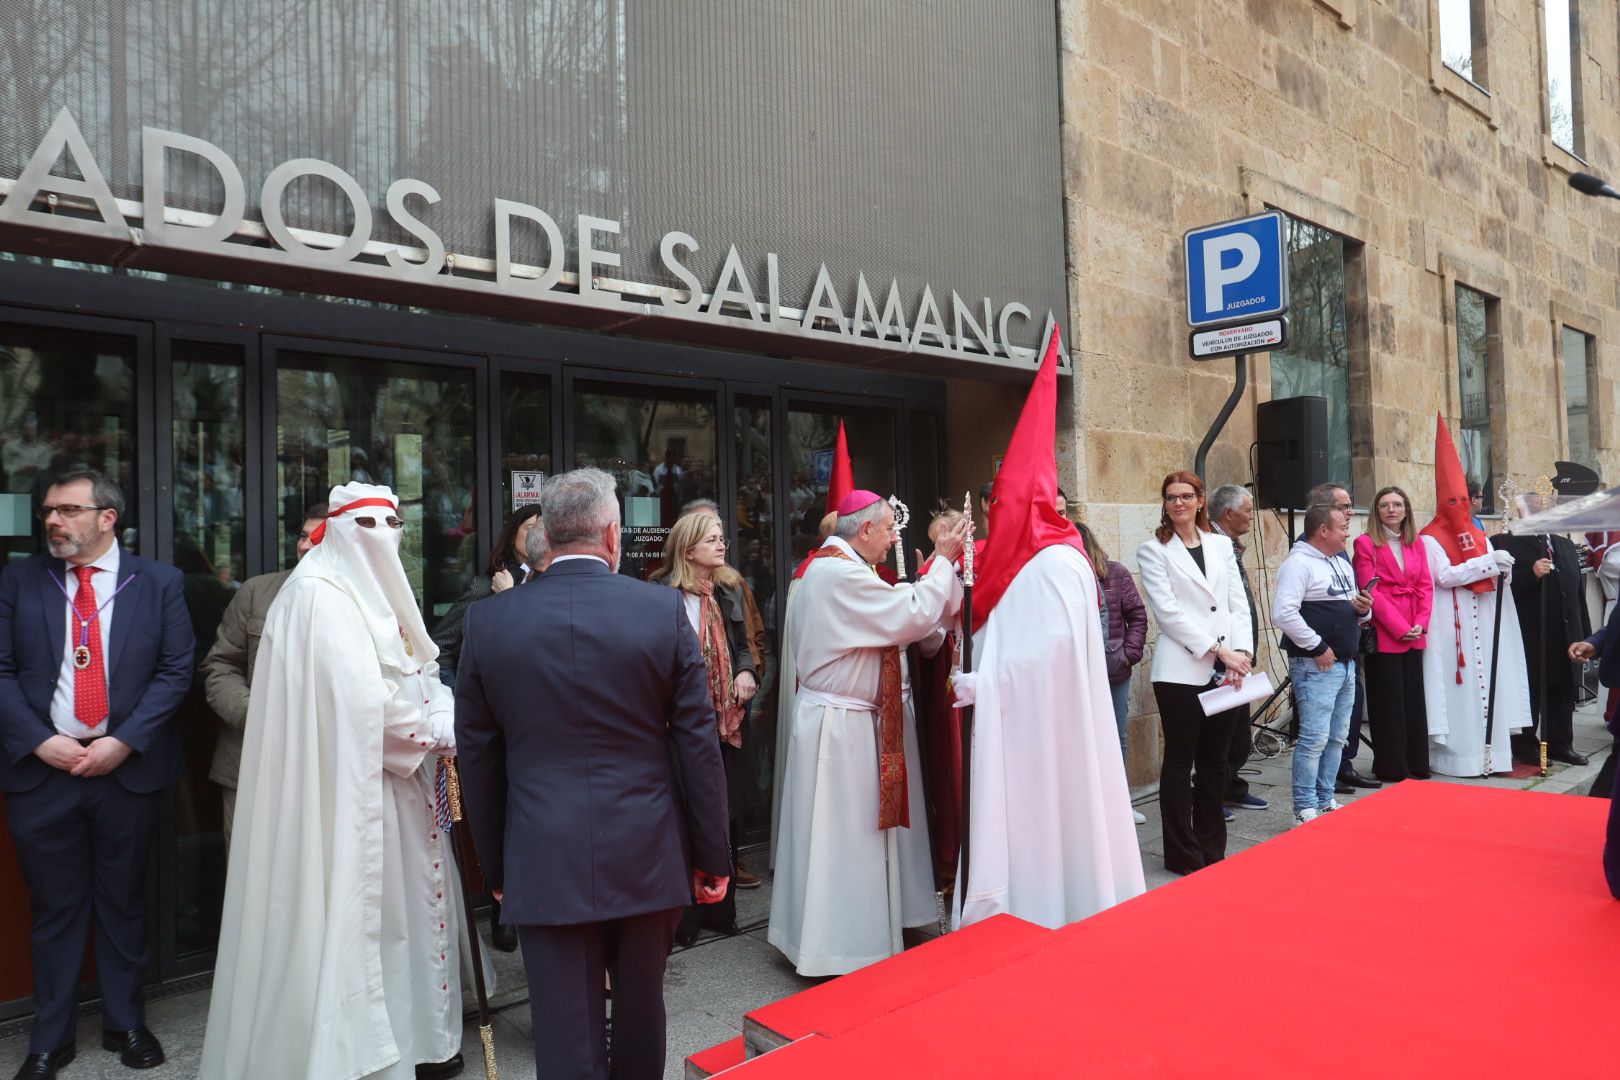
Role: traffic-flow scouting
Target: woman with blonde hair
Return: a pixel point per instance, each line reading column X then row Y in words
column 1390, row 554
column 695, row 563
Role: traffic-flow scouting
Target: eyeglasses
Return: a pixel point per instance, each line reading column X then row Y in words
column 66, row 510
column 1187, row 498
column 371, row 523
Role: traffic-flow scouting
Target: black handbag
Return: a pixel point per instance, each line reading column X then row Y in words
column 1369, row 639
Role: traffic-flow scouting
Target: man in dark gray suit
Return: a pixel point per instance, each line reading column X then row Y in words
column 576, row 700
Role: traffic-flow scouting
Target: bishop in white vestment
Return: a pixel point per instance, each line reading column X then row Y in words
column 338, row 954
column 846, row 883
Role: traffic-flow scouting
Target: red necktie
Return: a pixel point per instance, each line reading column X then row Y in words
column 90, row 681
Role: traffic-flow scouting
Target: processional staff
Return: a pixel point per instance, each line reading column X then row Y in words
column 451, row 790
column 967, row 711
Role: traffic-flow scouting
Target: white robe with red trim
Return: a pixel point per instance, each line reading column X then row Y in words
column 1456, row 709
column 1052, row 839
column 843, row 887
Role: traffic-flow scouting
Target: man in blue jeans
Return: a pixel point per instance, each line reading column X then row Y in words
column 1319, row 611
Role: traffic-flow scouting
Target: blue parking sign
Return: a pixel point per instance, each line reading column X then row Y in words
column 1237, row 270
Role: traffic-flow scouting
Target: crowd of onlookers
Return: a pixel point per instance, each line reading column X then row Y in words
column 1352, row 615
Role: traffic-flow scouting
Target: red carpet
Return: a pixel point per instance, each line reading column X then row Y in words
column 1478, row 926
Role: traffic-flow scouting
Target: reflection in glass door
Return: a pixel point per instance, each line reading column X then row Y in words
column 660, row 447
column 407, row 426
column 207, row 462
column 812, row 434
column 754, row 555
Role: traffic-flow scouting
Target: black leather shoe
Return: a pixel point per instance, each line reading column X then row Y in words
column 1356, row 780
column 44, row 1066
column 137, row 1049
column 1528, row 753
column 1567, row 754
column 505, row 938
column 1341, row 786
column 438, row 1070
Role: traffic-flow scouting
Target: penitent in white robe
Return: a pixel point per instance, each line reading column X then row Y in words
column 1457, row 710
column 844, row 888
column 338, row 953
column 1052, row 836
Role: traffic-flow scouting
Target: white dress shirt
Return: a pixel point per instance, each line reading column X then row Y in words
column 105, row 583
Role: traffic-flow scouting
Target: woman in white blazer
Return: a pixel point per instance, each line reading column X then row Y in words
column 1190, row 579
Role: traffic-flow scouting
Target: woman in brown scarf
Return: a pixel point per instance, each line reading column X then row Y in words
column 695, row 563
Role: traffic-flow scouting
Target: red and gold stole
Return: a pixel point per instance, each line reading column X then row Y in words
column 894, row 804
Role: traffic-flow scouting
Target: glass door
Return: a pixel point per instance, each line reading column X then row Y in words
column 660, row 445
column 812, row 436
column 376, row 417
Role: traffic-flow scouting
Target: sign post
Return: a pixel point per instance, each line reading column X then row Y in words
column 1237, row 295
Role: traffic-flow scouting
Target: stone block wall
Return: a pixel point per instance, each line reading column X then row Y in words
column 1178, row 113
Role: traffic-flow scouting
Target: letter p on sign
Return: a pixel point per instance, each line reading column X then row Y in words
column 1236, row 270
column 1218, row 275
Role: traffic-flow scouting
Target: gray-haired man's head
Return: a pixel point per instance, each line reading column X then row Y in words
column 1232, row 508
column 581, row 514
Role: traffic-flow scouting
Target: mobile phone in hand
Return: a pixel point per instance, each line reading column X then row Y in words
column 1372, row 583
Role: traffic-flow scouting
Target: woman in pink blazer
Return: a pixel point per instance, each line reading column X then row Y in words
column 1390, row 551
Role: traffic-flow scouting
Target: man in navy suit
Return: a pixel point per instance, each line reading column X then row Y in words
column 1605, row 646
column 592, row 778
column 95, row 656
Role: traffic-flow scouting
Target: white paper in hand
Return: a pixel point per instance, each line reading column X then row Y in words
column 1255, row 687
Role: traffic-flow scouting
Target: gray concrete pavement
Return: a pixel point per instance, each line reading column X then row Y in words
column 712, row 984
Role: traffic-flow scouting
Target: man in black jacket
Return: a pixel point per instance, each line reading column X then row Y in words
column 576, row 700
column 1605, row 647
column 1552, row 616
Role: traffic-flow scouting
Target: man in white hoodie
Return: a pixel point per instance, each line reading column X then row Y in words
column 1317, row 607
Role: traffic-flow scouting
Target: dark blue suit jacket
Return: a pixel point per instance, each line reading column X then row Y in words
column 150, row 646
column 577, row 696
column 1607, row 643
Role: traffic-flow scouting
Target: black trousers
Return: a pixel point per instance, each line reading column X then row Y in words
column 1358, row 709
column 1194, row 826
column 1397, row 713
column 83, row 845
column 565, row 966
column 1237, row 755
column 1557, row 728
column 1611, row 843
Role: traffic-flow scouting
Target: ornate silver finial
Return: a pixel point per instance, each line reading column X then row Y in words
column 967, row 545
column 902, row 518
column 1507, row 497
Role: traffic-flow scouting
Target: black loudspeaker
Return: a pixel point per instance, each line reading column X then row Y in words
column 1292, row 450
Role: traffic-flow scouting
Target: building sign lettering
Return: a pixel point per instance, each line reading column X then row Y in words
column 875, row 316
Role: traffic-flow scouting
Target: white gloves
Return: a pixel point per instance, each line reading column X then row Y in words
column 1503, row 559
column 964, row 685
column 443, row 733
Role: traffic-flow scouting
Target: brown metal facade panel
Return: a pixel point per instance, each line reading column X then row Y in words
column 915, row 141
